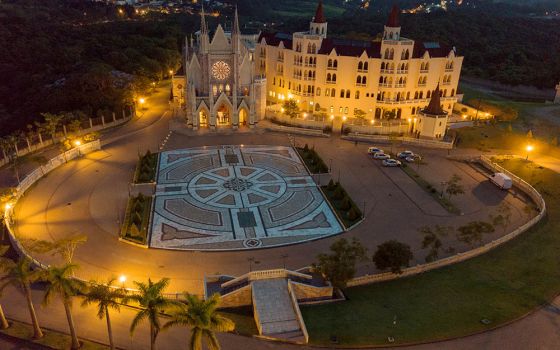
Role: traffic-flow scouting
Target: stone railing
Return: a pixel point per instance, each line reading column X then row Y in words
column 519, row 183
column 31, row 179
column 265, row 274
column 295, row 306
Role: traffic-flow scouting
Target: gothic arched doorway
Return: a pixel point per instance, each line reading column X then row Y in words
column 243, row 116
column 223, row 115
column 203, row 118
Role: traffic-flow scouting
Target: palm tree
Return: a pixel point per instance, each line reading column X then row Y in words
column 201, row 316
column 106, row 297
column 20, row 275
column 151, row 300
column 62, row 284
column 3, row 322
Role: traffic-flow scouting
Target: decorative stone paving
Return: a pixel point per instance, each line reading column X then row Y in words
column 237, row 197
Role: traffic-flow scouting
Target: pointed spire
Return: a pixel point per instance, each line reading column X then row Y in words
column 319, row 15
column 203, row 27
column 393, row 21
column 236, row 23
column 434, row 108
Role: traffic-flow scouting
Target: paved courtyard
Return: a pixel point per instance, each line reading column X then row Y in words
column 237, row 197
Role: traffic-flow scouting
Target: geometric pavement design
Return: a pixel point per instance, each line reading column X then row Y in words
column 236, row 197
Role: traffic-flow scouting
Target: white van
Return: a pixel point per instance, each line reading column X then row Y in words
column 501, row 180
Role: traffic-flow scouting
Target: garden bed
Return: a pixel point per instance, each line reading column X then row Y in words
column 341, row 202
column 146, row 168
column 431, row 190
column 136, row 221
column 312, row 160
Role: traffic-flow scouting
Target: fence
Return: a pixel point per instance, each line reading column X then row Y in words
column 520, row 183
column 34, row 143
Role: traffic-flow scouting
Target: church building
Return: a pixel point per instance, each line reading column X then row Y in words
column 218, row 86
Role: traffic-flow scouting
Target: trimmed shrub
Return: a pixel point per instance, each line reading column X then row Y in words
column 345, row 204
column 352, row 214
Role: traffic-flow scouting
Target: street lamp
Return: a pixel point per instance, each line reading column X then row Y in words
column 78, row 143
column 529, row 149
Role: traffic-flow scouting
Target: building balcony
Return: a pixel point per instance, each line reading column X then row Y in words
column 330, row 82
column 422, row 85
column 424, row 70
column 298, row 64
column 332, row 68
column 402, row 71
column 387, row 71
column 449, row 69
column 385, row 85
column 362, row 70
column 400, row 85
column 310, row 65
column 361, row 85
column 309, row 78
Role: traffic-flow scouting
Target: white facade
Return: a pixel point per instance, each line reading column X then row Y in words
column 390, row 78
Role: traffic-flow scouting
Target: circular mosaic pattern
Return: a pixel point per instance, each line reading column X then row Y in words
column 237, row 197
column 238, row 185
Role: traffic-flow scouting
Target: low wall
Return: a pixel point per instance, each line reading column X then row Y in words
column 379, row 128
column 305, row 291
column 296, row 122
column 519, row 183
column 41, row 143
column 31, row 179
column 402, row 140
column 294, row 130
column 239, row 297
column 300, row 320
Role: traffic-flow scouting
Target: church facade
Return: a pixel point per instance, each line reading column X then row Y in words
column 387, row 79
column 218, row 85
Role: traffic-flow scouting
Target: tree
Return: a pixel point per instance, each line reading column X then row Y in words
column 52, row 121
column 291, row 108
column 454, row 186
column 432, row 239
column 65, row 247
column 340, row 266
column 106, row 297
column 152, row 302
column 20, row 275
column 392, row 255
column 472, row 232
column 203, row 319
column 62, row 284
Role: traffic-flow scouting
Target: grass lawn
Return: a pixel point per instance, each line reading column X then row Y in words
column 243, row 319
column 51, row 339
column 499, row 286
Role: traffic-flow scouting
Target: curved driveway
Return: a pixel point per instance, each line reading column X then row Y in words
column 89, row 196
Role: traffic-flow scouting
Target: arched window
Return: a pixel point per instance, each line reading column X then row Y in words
column 360, row 66
column 392, row 55
column 329, row 64
column 364, row 80
column 357, row 95
column 387, row 54
column 334, row 77
column 452, row 92
column 382, row 65
column 416, row 95
column 413, row 110
column 333, row 92
column 342, row 93
column 314, row 48
column 377, row 113
column 429, row 94
column 335, row 64
column 366, row 66
column 347, row 93
column 327, row 92
column 328, row 76
column 421, row 94
column 318, row 91
column 380, row 80
column 359, row 80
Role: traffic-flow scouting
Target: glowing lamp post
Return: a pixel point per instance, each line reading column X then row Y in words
column 78, row 143
column 529, row 149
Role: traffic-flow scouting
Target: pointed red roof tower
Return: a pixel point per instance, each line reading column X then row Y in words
column 434, row 107
column 394, row 21
column 319, row 15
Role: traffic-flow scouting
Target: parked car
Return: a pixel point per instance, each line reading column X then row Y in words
column 391, row 162
column 405, row 154
column 501, row 180
column 412, row 159
column 381, row 155
column 374, row 150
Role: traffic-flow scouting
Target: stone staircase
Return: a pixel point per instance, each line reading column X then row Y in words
column 275, row 310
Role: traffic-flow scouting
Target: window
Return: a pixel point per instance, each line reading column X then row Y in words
column 357, row 95
column 360, row 66
column 318, row 91
column 335, row 63
column 329, row 63
column 333, row 92
column 347, row 93
column 341, row 93
column 366, row 66
column 327, row 92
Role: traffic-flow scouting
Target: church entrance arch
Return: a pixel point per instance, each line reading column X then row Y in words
column 243, row 116
column 223, row 115
column 203, row 118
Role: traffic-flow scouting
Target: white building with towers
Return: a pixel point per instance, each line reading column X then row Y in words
column 218, row 86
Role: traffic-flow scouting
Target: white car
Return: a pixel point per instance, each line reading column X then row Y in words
column 412, row 159
column 391, row 163
column 381, row 155
column 374, row 150
column 405, row 154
